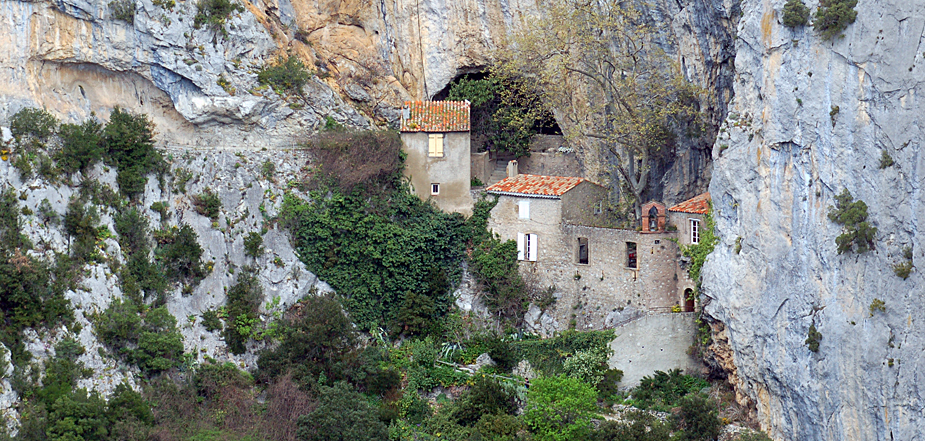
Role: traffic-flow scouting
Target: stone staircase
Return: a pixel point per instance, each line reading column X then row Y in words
column 499, row 173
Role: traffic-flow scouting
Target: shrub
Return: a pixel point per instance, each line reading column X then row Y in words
column 139, row 276
column 47, row 214
column 885, row 160
column 253, row 245
column 588, row 365
column 904, row 269
column 129, row 140
column 486, row 397
column 81, row 223
column 635, row 426
column 123, row 10
column 813, row 337
column 211, row 321
column 268, row 169
column 796, row 14
column 287, row 75
column 697, row 419
column 243, row 307
column 858, row 235
column 560, row 408
column 161, row 207
column 494, row 264
column 211, row 379
column 180, row 255
column 833, row 17
column 342, row 414
column 369, row 161
column 877, row 305
column 662, row 391
column 214, row 14
column 151, row 341
column 207, row 204
column 37, row 123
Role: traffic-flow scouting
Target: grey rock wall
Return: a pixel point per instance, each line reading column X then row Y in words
column 784, row 152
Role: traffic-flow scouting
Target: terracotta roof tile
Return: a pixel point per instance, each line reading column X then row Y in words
column 697, row 205
column 535, row 185
column 435, row 116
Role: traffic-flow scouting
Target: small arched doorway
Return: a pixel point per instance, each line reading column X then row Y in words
column 688, row 300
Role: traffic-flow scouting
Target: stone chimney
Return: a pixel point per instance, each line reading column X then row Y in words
column 512, row 169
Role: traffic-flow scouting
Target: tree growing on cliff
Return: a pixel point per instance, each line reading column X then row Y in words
column 596, row 64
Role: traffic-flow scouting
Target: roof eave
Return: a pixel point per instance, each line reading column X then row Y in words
column 523, row 195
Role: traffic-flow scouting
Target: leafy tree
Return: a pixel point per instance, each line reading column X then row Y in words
column 560, row 408
column 697, row 419
column 129, row 140
column 495, row 266
column 151, row 341
column 796, row 14
column 598, row 65
column 214, row 14
column 833, row 17
column 81, row 146
column 180, row 254
column 243, row 309
column 30, row 121
column 207, row 204
column 79, row 416
column 858, row 235
column 289, row 75
column 343, row 414
column 486, row 397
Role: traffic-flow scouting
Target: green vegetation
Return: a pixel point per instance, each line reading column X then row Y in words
column 858, row 235
column 267, row 169
column 663, row 391
column 180, row 255
column 147, row 338
column 141, row 279
column 243, row 309
column 342, row 414
column 253, row 245
column 495, row 265
column 207, row 204
column 81, row 223
column 214, row 13
column 211, row 321
column 287, row 76
column 904, row 269
column 505, row 113
column 877, row 305
column 123, row 10
column 560, row 408
column 698, row 253
column 813, row 338
column 33, row 123
column 81, row 146
column 885, row 160
column 833, row 17
column 129, row 140
column 796, row 14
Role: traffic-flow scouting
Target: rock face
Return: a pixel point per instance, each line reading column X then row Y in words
column 250, row 198
column 809, row 119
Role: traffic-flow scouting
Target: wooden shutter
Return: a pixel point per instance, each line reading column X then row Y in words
column 520, row 246
column 439, row 144
column 524, row 209
column 532, row 247
column 431, row 145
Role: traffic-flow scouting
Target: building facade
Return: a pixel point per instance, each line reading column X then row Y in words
column 688, row 218
column 436, row 141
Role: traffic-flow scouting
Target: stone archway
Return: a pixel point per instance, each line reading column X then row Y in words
column 688, row 300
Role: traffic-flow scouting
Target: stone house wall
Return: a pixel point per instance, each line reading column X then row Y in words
column 682, row 222
column 592, row 294
column 452, row 171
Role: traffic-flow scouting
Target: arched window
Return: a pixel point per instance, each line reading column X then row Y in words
column 688, row 300
column 653, row 218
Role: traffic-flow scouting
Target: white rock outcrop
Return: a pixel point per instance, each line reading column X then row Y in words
column 809, row 119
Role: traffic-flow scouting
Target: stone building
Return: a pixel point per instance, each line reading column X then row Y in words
column 436, row 141
column 688, row 218
column 600, row 274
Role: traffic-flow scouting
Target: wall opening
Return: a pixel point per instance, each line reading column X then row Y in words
column 583, row 250
column 688, row 300
column 631, row 255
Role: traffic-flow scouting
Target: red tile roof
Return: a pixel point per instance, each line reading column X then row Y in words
column 535, row 185
column 697, row 205
column 435, row 116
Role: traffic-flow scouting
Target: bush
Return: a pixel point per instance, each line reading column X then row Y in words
column 342, row 414
column 287, row 75
column 33, row 122
column 904, row 269
column 635, row 426
column 495, row 266
column 369, row 161
column 207, row 204
column 697, row 419
column 253, row 245
column 211, row 321
column 243, row 307
column 877, row 305
column 833, row 17
column 180, row 255
column 161, row 208
column 560, row 408
column 81, row 146
column 662, row 391
column 81, row 223
column 123, row 10
column 151, row 341
column 268, row 169
column 486, row 397
column 813, row 337
column 129, row 140
column 214, row 14
column 885, row 160
column 139, row 275
column 858, row 234
column 588, row 366
column 796, row 14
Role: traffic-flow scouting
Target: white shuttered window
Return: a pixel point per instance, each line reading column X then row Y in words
column 524, row 209
column 527, row 247
column 435, row 145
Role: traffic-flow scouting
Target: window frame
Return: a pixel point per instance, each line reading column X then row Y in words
column 523, row 209
column 527, row 247
column 583, row 241
column 434, row 188
column 435, row 145
column 694, row 230
column 632, row 258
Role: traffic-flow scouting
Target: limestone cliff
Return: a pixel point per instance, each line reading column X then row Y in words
column 809, row 119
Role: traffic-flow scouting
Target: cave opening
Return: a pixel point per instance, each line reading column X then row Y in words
column 506, row 114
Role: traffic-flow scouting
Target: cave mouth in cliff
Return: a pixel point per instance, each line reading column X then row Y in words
column 546, row 125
